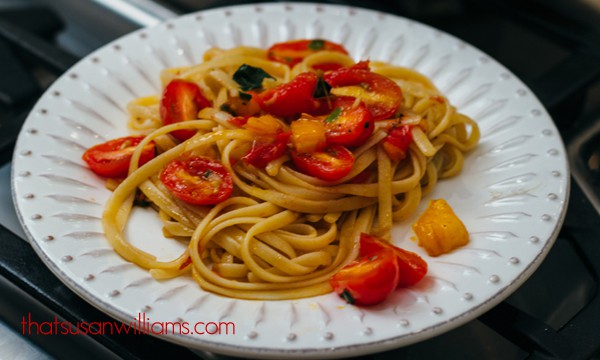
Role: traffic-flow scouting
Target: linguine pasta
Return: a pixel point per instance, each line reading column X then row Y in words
column 282, row 233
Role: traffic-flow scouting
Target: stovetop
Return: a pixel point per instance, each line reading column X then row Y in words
column 550, row 45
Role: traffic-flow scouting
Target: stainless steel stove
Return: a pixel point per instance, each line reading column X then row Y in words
column 551, row 45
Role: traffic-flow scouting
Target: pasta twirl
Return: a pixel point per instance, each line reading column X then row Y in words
column 283, row 232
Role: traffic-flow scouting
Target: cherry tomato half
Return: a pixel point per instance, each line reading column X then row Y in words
column 381, row 94
column 197, row 180
column 181, row 101
column 351, row 125
column 412, row 267
column 294, row 51
column 264, row 151
column 111, row 159
column 397, row 141
column 332, row 163
column 291, row 98
column 368, row 280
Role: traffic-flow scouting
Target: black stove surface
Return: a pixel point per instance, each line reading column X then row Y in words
column 550, row 45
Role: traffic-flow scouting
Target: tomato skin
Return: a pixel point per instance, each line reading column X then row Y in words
column 181, row 101
column 385, row 90
column 353, row 126
column 111, row 159
column 197, row 180
column 294, row 51
column 368, row 280
column 327, row 66
column 331, row 164
column 322, row 107
column 397, row 141
column 238, row 121
column 264, row 151
column 291, row 98
column 411, row 266
column 362, row 178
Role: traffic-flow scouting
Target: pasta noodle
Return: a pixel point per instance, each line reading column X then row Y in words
column 282, row 233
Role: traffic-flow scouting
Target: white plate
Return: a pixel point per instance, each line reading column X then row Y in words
column 511, row 195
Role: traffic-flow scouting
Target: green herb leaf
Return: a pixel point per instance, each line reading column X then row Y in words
column 317, row 44
column 334, row 115
column 323, row 88
column 141, row 200
column 347, row 296
column 250, row 77
column 245, row 96
column 225, row 107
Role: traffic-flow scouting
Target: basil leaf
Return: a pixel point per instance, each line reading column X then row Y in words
column 317, row 44
column 334, row 115
column 323, row 88
column 347, row 296
column 225, row 107
column 141, row 200
column 245, row 96
column 250, row 77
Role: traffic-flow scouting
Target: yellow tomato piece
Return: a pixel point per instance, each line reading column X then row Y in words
column 308, row 135
column 439, row 230
column 266, row 125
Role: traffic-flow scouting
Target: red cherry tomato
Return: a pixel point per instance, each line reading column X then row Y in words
column 264, row 151
column 327, row 66
column 111, row 159
column 368, row 280
column 291, row 98
column 362, row 178
column 294, row 51
column 353, row 124
column 332, row 163
column 238, row 121
column 181, row 101
column 381, row 94
column 197, row 180
column 412, row 267
column 397, row 141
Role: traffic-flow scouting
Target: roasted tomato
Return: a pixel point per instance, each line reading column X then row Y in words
column 265, row 150
column 197, row 180
column 381, row 94
column 412, row 267
column 397, row 141
column 332, row 163
column 439, row 230
column 368, row 280
column 327, row 66
column 308, row 135
column 111, row 159
column 362, row 178
column 238, row 121
column 291, row 98
column 294, row 51
column 181, row 101
column 348, row 124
